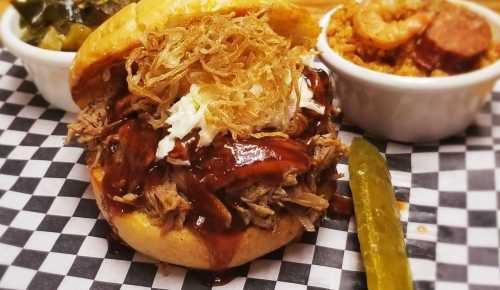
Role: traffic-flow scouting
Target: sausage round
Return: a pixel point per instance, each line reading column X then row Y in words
column 460, row 32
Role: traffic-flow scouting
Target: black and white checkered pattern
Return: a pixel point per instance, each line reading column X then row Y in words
column 52, row 237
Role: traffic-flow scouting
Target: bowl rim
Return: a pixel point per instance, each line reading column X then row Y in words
column 21, row 49
column 339, row 63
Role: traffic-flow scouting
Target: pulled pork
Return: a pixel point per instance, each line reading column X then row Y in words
column 166, row 206
column 228, row 55
column 89, row 125
column 327, row 151
column 304, row 199
column 261, row 204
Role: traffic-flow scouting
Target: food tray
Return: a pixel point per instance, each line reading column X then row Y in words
column 52, row 237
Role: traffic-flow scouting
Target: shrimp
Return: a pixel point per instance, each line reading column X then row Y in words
column 387, row 24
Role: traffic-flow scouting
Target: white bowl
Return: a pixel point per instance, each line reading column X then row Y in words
column 49, row 69
column 411, row 109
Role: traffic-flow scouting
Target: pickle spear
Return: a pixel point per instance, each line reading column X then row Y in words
column 377, row 218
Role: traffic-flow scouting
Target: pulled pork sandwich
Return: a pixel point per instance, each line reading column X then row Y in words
column 209, row 139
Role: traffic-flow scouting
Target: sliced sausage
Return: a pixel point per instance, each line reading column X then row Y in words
column 427, row 54
column 460, row 32
column 454, row 41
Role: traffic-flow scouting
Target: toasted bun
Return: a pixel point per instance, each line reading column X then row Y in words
column 124, row 31
column 108, row 45
column 183, row 247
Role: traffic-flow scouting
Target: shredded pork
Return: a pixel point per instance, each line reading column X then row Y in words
column 239, row 61
column 304, row 199
column 166, row 206
column 89, row 124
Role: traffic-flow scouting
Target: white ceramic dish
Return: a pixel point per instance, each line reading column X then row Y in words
column 411, row 109
column 49, row 69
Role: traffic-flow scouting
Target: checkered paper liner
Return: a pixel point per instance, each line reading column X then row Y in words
column 53, row 237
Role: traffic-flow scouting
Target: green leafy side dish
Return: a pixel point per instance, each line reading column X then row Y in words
column 63, row 24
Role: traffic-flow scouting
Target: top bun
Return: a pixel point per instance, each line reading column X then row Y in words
column 121, row 33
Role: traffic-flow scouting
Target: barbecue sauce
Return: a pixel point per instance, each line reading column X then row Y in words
column 130, row 167
column 219, row 278
column 128, row 162
column 319, row 83
column 341, row 204
column 227, row 163
column 266, row 160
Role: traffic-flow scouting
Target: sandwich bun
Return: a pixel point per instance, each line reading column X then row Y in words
column 124, row 31
column 110, row 44
column 184, row 246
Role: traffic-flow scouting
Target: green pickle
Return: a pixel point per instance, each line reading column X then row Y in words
column 377, row 218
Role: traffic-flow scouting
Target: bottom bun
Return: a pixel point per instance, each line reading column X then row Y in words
column 186, row 247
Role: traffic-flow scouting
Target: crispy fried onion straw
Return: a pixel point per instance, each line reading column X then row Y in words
column 246, row 69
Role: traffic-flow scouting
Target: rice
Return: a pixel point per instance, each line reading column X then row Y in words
column 343, row 39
